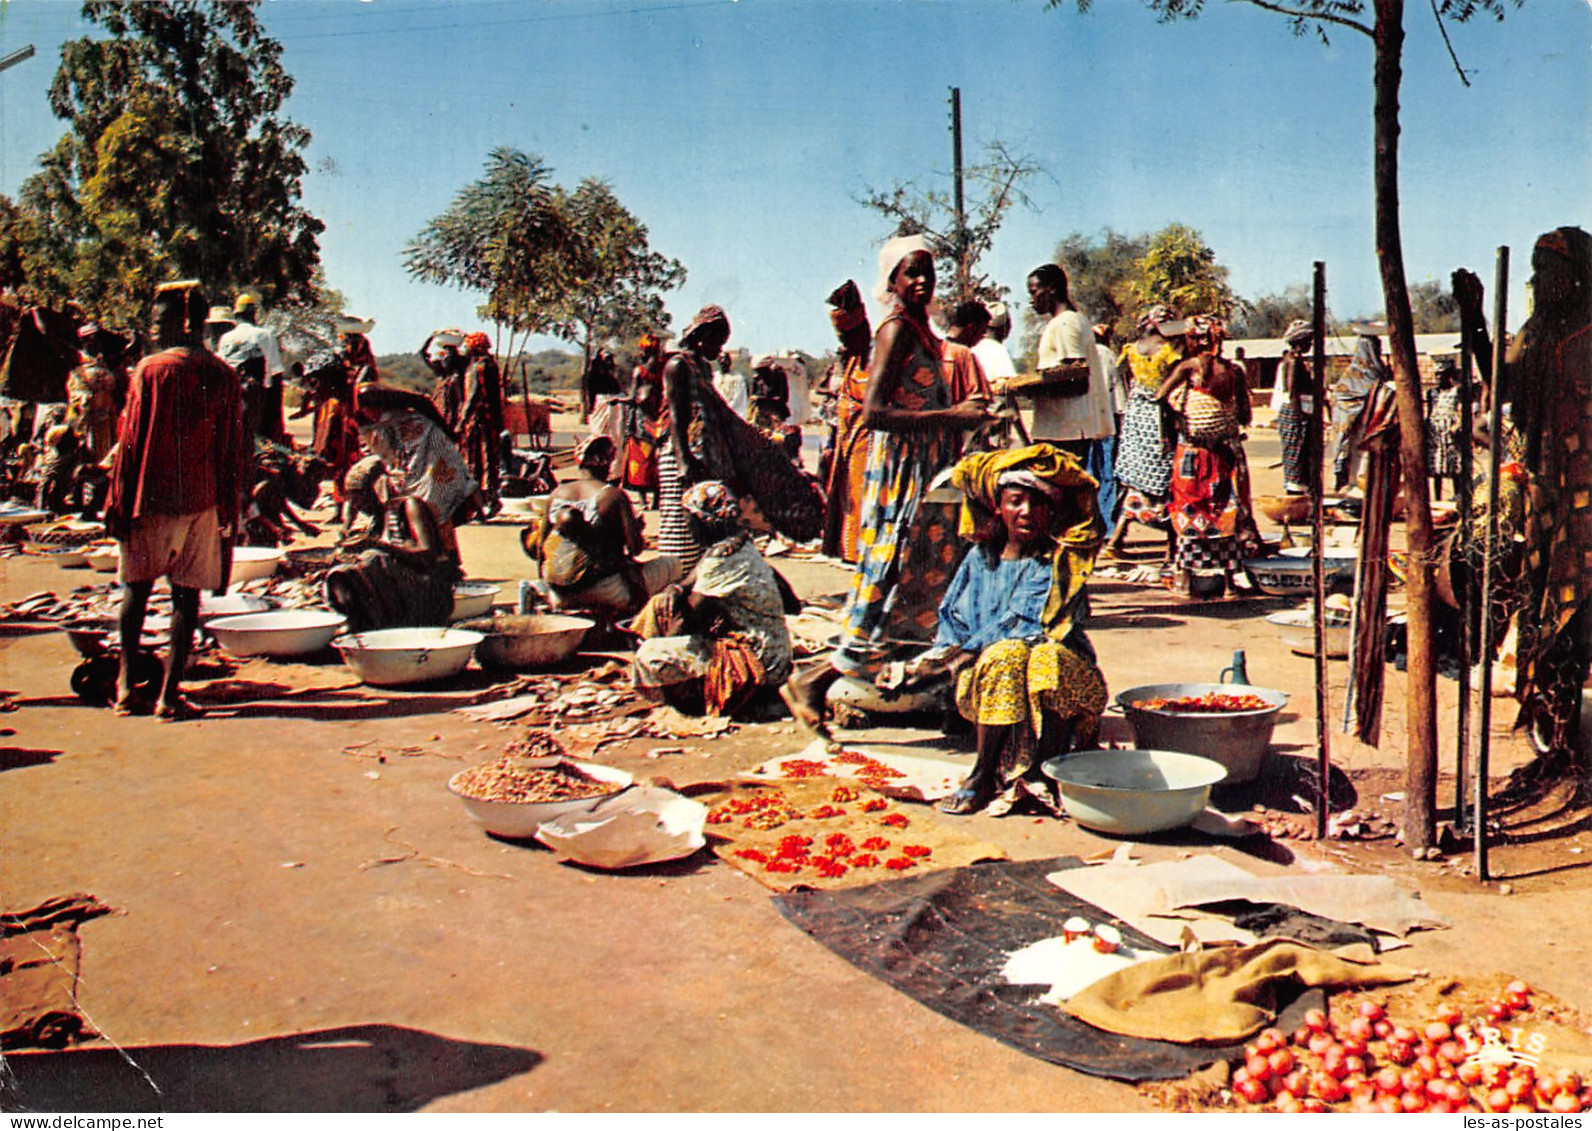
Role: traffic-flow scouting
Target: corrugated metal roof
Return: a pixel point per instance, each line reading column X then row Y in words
column 1339, row 345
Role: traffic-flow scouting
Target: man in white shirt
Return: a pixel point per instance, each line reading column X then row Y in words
column 253, row 352
column 991, row 352
column 1079, row 422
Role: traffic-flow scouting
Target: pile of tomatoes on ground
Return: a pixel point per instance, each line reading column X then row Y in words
column 1367, row 1063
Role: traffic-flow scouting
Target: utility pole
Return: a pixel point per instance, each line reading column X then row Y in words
column 961, row 215
column 16, row 57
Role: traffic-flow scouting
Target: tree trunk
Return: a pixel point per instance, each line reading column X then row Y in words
column 1421, row 707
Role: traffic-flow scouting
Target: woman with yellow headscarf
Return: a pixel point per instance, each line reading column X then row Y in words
column 1009, row 626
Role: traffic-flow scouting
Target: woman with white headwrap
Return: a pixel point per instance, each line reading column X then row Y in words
column 915, row 425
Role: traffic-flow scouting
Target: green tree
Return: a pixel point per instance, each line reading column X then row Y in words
column 1432, row 308
column 506, row 235
column 1382, row 23
column 1269, row 315
column 1105, row 276
column 614, row 289
column 1179, row 268
column 931, row 213
column 178, row 161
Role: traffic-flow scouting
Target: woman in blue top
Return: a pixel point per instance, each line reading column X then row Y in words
column 1009, row 626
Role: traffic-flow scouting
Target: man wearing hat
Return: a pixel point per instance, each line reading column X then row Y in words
column 253, row 351
column 991, row 351
column 218, row 323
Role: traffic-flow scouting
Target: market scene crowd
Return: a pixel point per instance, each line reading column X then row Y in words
column 899, row 639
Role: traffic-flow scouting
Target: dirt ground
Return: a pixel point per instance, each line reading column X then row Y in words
column 307, row 920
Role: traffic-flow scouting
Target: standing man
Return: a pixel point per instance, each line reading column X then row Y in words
column 253, row 352
column 174, row 487
column 1072, row 408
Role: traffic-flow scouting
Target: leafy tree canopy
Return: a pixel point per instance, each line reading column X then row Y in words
column 178, row 162
column 573, row 265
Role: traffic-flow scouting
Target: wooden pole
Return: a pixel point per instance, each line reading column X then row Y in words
column 1466, row 596
column 962, row 290
column 1490, row 548
column 1314, row 445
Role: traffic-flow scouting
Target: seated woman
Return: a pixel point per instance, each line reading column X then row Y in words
column 719, row 642
column 405, row 571
column 1009, row 623
column 587, row 544
column 422, row 456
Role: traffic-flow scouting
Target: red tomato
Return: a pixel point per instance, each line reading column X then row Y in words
column 1426, row 1066
column 1320, row 1042
column 1388, row 1082
column 1315, row 1020
column 1361, row 1029
column 1382, row 1027
column 1356, row 1065
column 1517, row 1088
column 1265, row 1044
column 1566, row 1103
column 1328, row 1087
column 1312, row 1105
column 1400, row 1054
column 1439, row 1031
column 1451, row 1052
column 1253, row 1091
column 1259, row 1068
column 1412, row 1102
column 1450, row 1015
column 1497, row 1100
column 1281, row 1061
column 1499, row 1011
column 1371, row 1011
column 1517, row 987
column 1470, row 1073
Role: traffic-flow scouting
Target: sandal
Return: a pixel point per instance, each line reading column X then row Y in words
column 966, row 800
column 803, row 713
column 180, row 711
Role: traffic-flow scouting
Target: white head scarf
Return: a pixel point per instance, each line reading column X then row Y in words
column 890, row 257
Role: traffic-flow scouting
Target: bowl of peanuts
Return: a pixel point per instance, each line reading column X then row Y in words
column 514, row 794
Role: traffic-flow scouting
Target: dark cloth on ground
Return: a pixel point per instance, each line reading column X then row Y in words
column 943, row 938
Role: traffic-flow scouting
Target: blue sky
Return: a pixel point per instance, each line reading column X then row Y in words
column 741, row 132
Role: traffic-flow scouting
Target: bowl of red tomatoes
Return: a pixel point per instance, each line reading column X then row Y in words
column 1229, row 723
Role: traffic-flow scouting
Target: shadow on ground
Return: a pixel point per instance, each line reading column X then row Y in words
column 377, row 1068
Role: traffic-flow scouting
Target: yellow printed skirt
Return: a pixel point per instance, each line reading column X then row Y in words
column 1014, row 683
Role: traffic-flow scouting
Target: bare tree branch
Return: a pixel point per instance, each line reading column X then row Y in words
column 1443, row 28
column 1298, row 14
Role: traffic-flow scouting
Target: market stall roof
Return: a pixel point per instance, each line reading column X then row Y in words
column 1338, row 345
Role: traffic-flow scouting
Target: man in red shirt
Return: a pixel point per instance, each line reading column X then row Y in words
column 175, row 487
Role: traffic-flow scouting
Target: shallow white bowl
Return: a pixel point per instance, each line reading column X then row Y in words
column 396, row 657
column 473, row 599
column 1132, row 792
column 230, row 605
column 1296, row 629
column 520, row 819
column 249, row 563
column 525, row 507
column 103, row 559
column 280, row 632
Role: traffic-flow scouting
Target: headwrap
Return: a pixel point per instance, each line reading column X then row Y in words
column 1206, row 333
column 477, row 343
column 712, row 503
column 366, row 476
column 1151, row 318
column 1062, row 479
column 592, row 447
column 1572, row 244
column 891, row 256
column 1298, row 332
column 705, row 317
column 244, row 302
column 999, row 314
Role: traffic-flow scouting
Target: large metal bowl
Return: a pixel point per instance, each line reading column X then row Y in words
column 527, row 641
column 1290, row 573
column 520, row 819
column 1238, row 740
column 473, row 599
column 1132, row 792
column 397, row 657
column 280, row 632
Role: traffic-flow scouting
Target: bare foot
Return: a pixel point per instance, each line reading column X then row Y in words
column 808, row 715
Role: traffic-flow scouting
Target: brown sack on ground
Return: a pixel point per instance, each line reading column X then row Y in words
column 1215, row 996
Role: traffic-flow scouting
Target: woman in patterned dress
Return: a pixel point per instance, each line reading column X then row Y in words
column 914, row 423
column 1296, row 413
column 1009, row 628
column 1144, row 452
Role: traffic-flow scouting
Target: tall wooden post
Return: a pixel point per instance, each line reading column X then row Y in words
column 1489, row 551
column 1315, row 445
